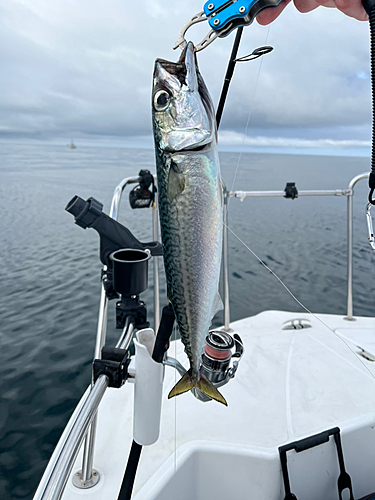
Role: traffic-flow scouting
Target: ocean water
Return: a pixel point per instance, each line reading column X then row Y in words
column 50, row 272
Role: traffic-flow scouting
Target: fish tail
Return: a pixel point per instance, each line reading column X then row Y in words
column 205, row 386
column 186, row 383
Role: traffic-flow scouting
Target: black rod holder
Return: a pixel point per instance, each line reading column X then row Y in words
column 130, row 271
column 113, row 235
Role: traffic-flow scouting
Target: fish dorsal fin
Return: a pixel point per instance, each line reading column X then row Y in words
column 176, row 184
column 217, row 305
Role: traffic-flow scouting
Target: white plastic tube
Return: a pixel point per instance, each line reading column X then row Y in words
column 148, row 389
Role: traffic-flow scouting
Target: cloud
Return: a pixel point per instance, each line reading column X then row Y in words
column 84, row 68
column 227, row 137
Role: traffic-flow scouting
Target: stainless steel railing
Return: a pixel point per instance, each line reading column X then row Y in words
column 89, row 477
column 56, row 475
column 83, row 421
column 352, row 183
column 330, row 192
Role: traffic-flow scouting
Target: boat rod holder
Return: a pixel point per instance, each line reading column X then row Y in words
column 113, row 236
column 130, row 278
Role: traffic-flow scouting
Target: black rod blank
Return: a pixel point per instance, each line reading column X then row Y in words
column 228, row 75
column 130, row 472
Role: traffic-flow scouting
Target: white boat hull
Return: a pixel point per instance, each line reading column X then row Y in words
column 290, row 384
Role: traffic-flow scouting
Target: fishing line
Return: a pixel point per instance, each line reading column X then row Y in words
column 251, row 251
column 175, row 401
column 298, row 301
column 249, row 115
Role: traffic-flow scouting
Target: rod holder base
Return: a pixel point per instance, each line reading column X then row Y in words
column 84, row 485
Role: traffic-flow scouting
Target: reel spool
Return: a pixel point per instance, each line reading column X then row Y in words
column 216, row 356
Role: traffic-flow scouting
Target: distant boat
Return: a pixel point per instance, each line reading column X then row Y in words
column 72, row 145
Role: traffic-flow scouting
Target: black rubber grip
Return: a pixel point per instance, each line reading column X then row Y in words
column 164, row 334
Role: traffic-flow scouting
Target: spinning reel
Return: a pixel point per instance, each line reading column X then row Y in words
column 218, row 361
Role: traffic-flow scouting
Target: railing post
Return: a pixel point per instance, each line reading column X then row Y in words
column 350, row 193
column 349, row 303
column 88, row 477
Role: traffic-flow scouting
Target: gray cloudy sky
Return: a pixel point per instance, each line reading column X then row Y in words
column 82, row 69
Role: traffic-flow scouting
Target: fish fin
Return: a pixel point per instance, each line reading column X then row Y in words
column 176, row 184
column 210, row 390
column 185, row 384
column 190, row 64
column 217, row 305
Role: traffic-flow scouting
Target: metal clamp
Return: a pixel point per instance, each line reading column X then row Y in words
column 209, row 38
column 114, row 364
column 223, row 16
column 369, row 226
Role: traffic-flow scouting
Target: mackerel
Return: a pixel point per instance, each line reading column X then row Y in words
column 190, row 205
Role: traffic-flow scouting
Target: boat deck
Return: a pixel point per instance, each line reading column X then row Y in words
column 290, row 384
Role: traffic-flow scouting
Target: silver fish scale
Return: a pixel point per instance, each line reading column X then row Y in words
column 191, row 225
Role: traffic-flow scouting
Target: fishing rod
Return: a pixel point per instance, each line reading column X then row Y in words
column 228, row 75
column 260, row 51
column 216, row 367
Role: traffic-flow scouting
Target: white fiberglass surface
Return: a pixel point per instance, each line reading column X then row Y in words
column 290, row 384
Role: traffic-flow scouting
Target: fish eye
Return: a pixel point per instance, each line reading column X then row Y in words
column 161, row 100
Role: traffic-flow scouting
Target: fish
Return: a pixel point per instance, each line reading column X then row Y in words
column 190, row 196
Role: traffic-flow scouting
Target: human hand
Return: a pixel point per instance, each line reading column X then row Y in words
column 352, row 8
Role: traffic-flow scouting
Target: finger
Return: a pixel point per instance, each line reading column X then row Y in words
column 268, row 15
column 309, row 5
column 352, row 8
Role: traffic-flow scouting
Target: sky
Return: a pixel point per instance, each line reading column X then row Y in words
column 82, row 70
